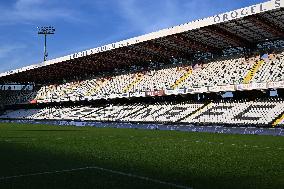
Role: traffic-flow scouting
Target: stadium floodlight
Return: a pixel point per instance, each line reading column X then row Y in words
column 47, row 30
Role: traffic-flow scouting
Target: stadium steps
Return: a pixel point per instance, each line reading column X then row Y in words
column 68, row 90
column 85, row 88
column 137, row 80
column 250, row 75
column 278, row 120
column 96, row 111
column 98, row 87
column 196, row 111
column 182, row 79
column 127, row 115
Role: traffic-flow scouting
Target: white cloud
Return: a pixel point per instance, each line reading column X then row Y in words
column 6, row 50
column 27, row 3
column 147, row 19
column 13, row 54
column 25, row 11
column 151, row 17
column 148, row 16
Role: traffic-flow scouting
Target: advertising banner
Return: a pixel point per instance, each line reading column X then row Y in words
column 137, row 94
column 275, row 85
column 259, row 85
column 181, row 91
column 243, row 87
column 171, row 91
column 224, row 88
column 155, row 93
column 197, row 90
column 251, row 86
column 125, row 95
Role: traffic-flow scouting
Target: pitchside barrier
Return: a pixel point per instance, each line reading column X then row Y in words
column 151, row 126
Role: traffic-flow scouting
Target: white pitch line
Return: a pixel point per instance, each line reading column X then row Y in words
column 101, row 169
column 140, row 177
column 42, row 173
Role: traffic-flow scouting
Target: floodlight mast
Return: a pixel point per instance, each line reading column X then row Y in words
column 47, row 30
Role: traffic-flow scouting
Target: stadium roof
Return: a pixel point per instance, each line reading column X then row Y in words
column 243, row 27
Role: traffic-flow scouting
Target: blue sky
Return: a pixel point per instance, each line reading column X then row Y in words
column 85, row 24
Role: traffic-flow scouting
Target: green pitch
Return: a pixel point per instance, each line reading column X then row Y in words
column 72, row 157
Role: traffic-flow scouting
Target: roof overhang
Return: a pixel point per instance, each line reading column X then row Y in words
column 239, row 28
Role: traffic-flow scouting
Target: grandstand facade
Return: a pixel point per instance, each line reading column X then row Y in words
column 222, row 70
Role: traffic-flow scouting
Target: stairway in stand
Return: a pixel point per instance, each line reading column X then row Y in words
column 137, row 80
column 278, row 121
column 182, row 79
column 250, row 75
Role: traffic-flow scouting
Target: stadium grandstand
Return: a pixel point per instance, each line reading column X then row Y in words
column 224, row 70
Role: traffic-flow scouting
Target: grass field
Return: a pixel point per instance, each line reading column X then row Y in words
column 125, row 158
